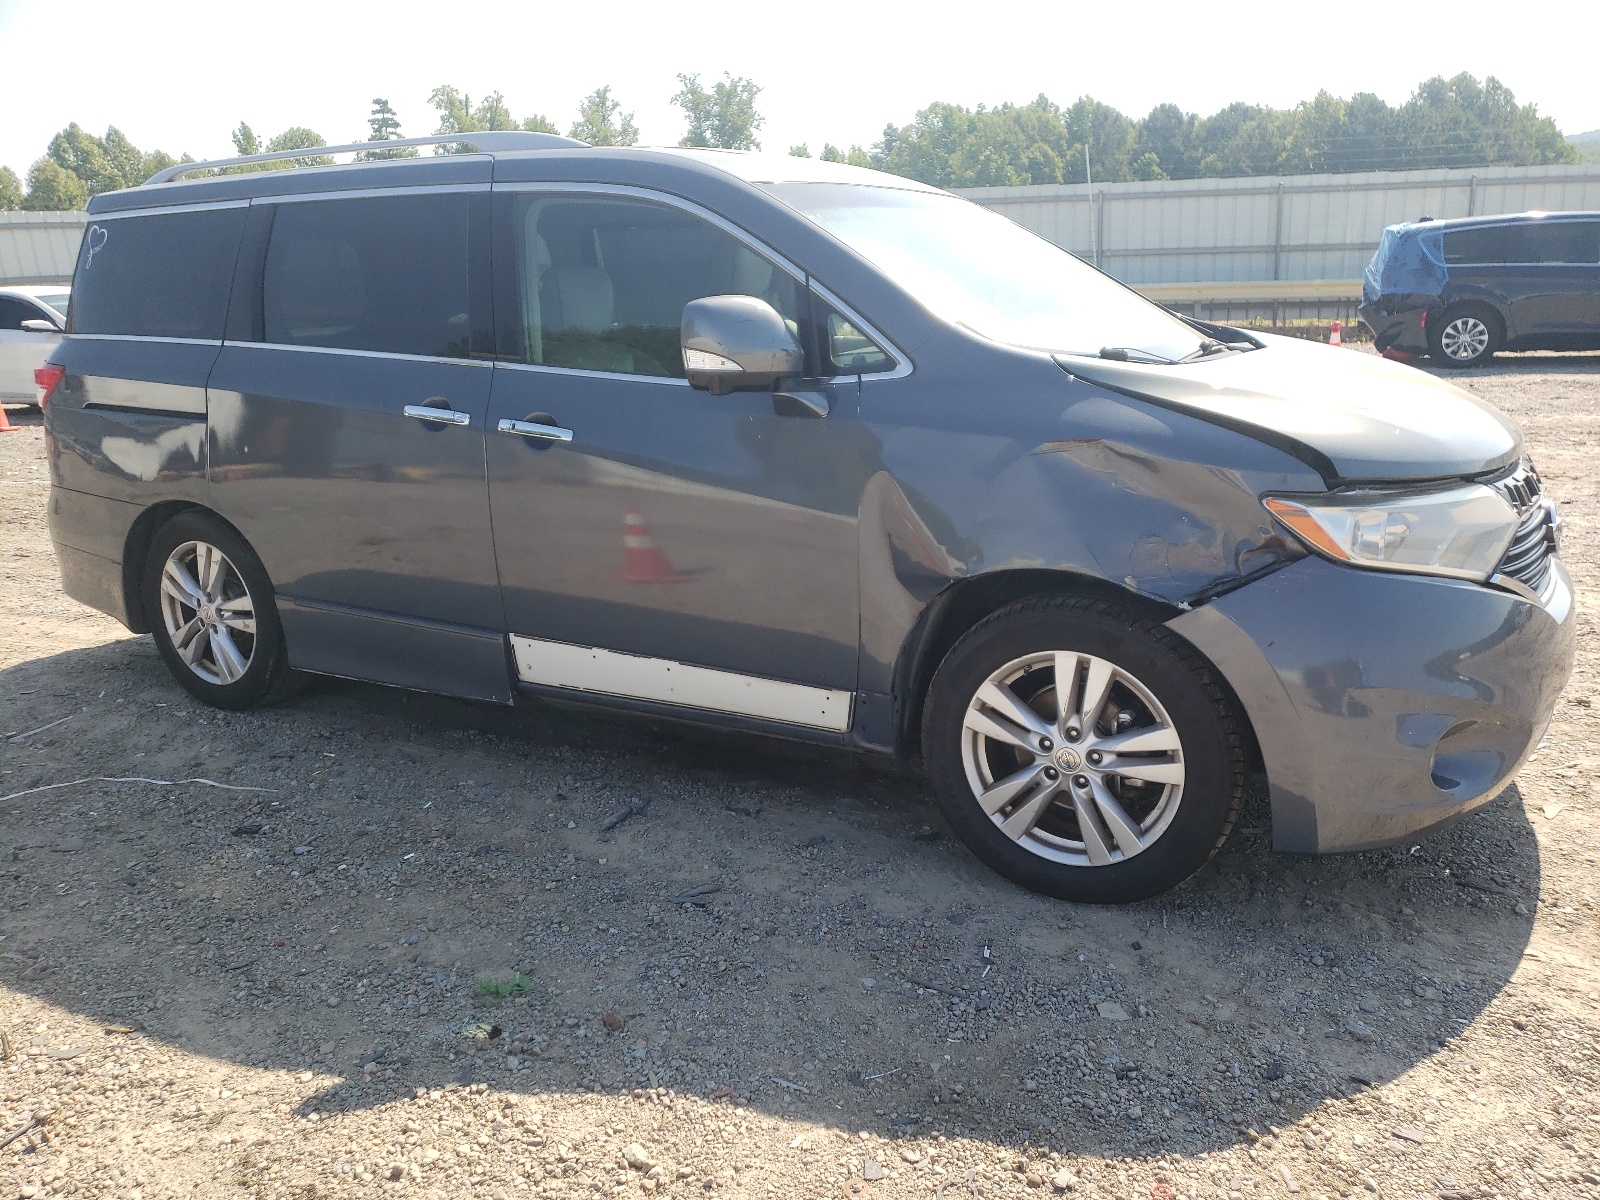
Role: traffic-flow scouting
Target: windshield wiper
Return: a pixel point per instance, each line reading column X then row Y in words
column 1127, row 353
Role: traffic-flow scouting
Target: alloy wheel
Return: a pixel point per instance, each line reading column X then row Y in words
column 1073, row 758
column 209, row 615
column 1464, row 338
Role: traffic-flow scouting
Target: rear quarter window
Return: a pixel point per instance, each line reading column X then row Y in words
column 164, row 275
column 1491, row 244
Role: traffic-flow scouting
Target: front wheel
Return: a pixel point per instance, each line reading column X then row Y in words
column 1084, row 752
column 212, row 614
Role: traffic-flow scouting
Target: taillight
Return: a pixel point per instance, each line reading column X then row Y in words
column 48, row 378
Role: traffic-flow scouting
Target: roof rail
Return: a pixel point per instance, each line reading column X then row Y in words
column 487, row 141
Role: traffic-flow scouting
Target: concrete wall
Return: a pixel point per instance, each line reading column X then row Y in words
column 39, row 247
column 1303, row 239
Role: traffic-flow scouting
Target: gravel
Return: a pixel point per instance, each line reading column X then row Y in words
column 412, row 960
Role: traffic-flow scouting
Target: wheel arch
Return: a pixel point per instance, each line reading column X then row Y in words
column 136, row 552
column 960, row 606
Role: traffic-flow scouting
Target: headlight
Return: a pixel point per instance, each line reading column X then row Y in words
column 1461, row 532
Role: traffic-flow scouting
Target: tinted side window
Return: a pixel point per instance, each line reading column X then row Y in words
column 157, row 276
column 603, row 281
column 1561, row 242
column 387, row 274
column 1492, row 244
column 14, row 312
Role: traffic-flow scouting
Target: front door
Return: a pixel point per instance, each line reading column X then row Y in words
column 682, row 548
column 369, row 511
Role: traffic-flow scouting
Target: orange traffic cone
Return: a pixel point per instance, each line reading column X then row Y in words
column 1333, row 336
column 642, row 560
column 5, row 422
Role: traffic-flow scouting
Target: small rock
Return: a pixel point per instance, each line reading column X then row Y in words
column 302, row 849
column 68, row 844
column 871, row 1170
column 1409, row 1135
column 910, row 1154
column 1367, row 1006
column 1063, row 1180
column 1111, row 1011
column 1522, row 909
column 396, row 1172
column 1273, row 1071
column 1317, row 960
column 1029, row 1085
column 638, row 1157
column 869, row 983
column 613, row 1021
column 1359, row 1030
column 1033, row 1179
column 1290, row 1183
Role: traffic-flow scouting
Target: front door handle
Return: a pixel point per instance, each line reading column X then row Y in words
column 531, row 429
column 444, row 416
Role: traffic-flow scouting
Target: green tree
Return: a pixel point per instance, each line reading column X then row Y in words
column 457, row 114
column 384, row 126
column 10, row 190
column 53, row 188
column 800, row 151
column 598, row 122
column 296, row 137
column 725, row 116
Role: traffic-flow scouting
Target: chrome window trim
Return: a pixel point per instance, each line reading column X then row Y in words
column 431, row 189
column 166, row 210
column 583, row 374
column 434, row 358
column 904, row 365
column 137, row 337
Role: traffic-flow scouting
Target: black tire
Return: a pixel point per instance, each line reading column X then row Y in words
column 266, row 677
column 1466, row 335
column 1191, row 702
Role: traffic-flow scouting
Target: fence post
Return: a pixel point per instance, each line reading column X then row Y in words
column 1472, row 197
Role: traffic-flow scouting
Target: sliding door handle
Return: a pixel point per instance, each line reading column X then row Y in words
column 530, row 429
column 443, row 416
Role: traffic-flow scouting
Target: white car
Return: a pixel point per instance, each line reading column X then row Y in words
column 31, row 322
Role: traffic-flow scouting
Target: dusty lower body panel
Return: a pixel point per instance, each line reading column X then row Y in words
column 1385, row 704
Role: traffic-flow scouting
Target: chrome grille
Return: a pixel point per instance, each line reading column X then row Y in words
column 1527, row 559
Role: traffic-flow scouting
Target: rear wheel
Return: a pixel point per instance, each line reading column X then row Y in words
column 1467, row 335
column 212, row 614
column 1082, row 751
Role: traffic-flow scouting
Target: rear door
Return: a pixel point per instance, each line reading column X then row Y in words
column 1560, row 301
column 356, row 318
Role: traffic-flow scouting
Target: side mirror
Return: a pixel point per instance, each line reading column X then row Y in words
column 737, row 343
column 40, row 326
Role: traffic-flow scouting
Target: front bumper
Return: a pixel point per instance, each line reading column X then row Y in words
column 1385, row 704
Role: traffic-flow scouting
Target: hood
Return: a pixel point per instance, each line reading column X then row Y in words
column 1350, row 415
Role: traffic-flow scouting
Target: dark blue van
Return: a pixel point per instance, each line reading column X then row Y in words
column 1460, row 290
column 811, row 451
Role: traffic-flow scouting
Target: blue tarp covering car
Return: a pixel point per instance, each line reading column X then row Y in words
column 1409, row 261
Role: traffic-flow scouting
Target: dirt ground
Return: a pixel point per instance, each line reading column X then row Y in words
column 398, row 954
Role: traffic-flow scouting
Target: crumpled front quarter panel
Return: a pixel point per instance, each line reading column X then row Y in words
column 1023, row 468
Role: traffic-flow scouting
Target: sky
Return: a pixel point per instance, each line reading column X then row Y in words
column 180, row 76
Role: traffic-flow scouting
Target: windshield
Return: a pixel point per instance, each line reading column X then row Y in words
column 973, row 267
column 56, row 300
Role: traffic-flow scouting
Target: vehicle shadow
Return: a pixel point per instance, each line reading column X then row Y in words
column 426, row 895
column 1536, row 362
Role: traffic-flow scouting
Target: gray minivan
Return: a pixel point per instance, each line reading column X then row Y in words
column 809, row 450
